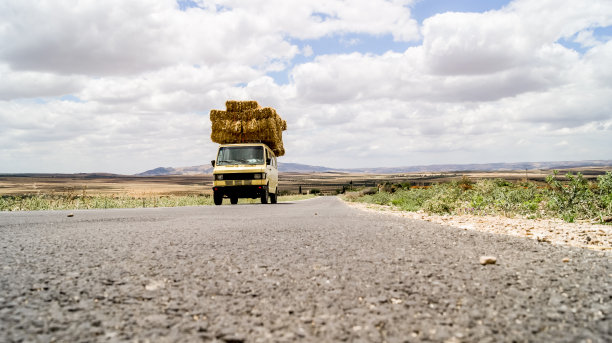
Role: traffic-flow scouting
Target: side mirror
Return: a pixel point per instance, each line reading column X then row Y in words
column 212, row 162
column 268, row 161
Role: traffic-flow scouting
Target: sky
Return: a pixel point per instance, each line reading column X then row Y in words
column 126, row 86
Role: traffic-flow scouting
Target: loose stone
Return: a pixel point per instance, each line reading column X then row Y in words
column 484, row 260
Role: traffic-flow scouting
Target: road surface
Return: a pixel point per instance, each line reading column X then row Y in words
column 314, row 270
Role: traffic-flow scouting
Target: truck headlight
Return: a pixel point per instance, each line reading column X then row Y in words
column 259, row 176
column 218, row 176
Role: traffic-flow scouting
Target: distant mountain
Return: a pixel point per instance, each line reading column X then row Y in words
column 195, row 170
column 207, row 169
column 303, row 168
column 484, row 167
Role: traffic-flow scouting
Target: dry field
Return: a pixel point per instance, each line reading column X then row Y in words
column 331, row 181
column 328, row 183
column 105, row 184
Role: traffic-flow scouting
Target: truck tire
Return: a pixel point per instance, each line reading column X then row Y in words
column 273, row 198
column 264, row 196
column 233, row 200
column 218, row 198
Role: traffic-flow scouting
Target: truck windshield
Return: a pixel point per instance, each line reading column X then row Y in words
column 240, row 155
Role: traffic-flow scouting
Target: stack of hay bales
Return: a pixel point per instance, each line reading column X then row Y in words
column 247, row 122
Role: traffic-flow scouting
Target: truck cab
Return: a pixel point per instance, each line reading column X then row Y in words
column 245, row 170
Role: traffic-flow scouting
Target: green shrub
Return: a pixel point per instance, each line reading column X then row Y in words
column 571, row 199
column 410, row 200
column 446, row 197
column 604, row 194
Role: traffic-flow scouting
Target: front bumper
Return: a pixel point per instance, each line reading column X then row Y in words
column 233, row 183
column 247, row 191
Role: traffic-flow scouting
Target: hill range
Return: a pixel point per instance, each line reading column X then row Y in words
column 304, row 168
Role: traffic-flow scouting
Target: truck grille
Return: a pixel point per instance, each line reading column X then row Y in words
column 239, row 176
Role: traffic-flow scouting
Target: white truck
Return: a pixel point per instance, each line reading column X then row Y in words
column 245, row 170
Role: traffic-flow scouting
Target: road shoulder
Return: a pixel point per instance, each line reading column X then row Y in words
column 554, row 231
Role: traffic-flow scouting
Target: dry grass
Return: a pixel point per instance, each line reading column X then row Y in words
column 97, row 184
column 85, row 191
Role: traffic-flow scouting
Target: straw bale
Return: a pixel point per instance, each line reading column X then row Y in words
column 258, row 113
column 239, row 106
column 227, row 126
column 266, row 112
column 217, row 115
column 251, row 125
column 225, row 115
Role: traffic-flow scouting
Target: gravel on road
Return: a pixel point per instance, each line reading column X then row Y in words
column 314, row 270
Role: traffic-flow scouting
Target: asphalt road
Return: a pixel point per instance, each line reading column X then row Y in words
column 313, row 270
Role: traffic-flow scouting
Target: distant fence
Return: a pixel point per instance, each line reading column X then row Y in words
column 335, row 188
column 337, row 185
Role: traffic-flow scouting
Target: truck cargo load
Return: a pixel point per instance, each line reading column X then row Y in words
column 247, row 122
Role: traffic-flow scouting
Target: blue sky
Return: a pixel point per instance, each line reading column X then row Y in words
column 123, row 87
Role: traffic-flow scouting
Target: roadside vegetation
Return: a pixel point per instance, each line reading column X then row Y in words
column 35, row 202
column 570, row 198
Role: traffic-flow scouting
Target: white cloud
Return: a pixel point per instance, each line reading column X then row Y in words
column 586, row 39
column 318, row 18
column 127, row 38
column 482, row 87
column 307, row 51
column 63, row 136
column 31, row 84
column 483, row 43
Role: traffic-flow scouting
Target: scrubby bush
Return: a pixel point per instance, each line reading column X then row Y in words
column 572, row 199
column 604, row 194
column 465, row 183
column 445, row 198
column 576, row 198
column 410, row 200
column 285, row 192
column 71, row 201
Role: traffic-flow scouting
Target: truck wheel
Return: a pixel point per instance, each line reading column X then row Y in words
column 218, row 198
column 234, row 200
column 273, row 198
column 264, row 196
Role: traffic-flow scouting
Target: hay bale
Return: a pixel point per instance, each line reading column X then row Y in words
column 239, row 106
column 217, row 115
column 248, row 114
column 252, row 124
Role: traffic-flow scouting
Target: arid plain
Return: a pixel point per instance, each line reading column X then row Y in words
column 327, row 182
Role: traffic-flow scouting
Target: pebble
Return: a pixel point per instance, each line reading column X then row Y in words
column 484, row 260
column 155, row 285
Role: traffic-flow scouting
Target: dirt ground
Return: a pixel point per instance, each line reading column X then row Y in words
column 554, row 231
